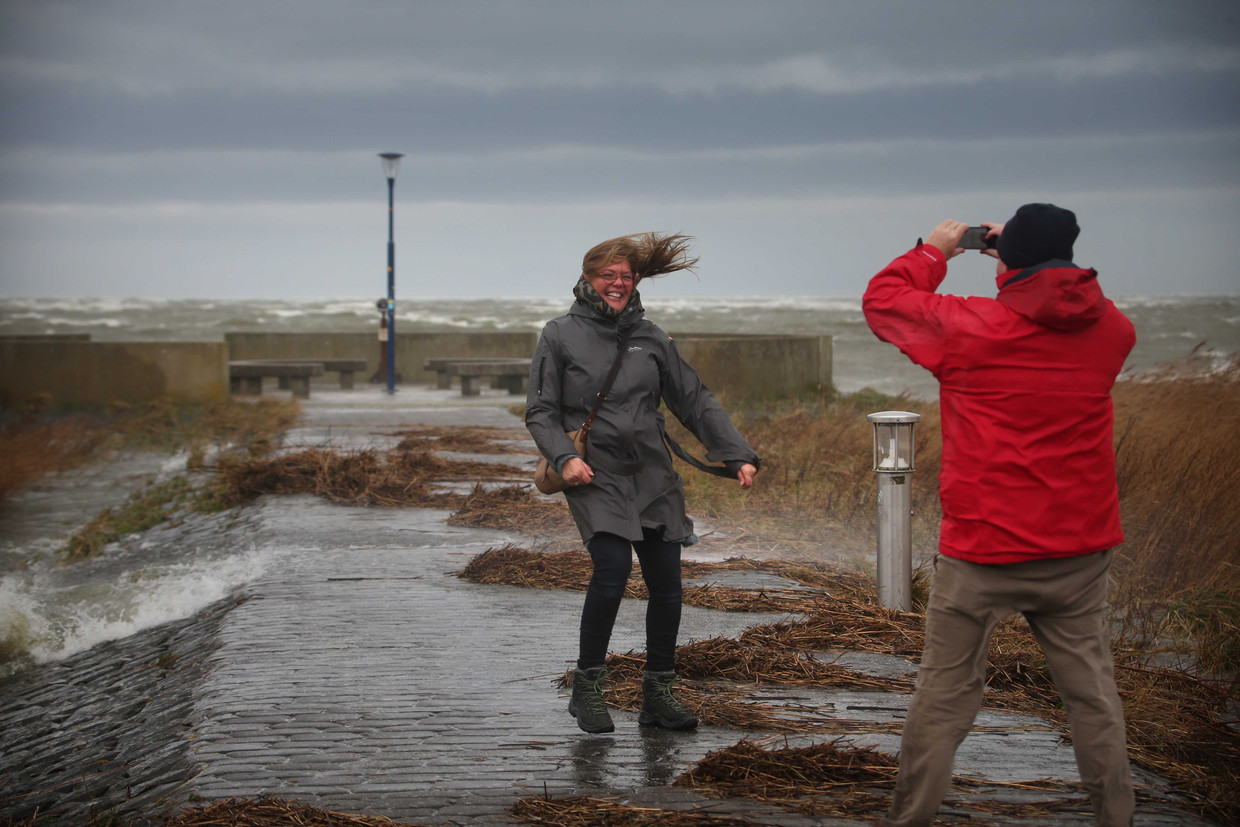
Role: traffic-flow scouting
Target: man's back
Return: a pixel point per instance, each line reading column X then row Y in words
column 1028, row 469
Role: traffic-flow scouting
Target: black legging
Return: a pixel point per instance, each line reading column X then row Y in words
column 613, row 560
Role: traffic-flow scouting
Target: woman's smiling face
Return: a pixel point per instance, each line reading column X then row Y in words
column 614, row 283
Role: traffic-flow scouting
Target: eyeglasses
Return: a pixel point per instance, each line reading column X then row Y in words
column 610, row 277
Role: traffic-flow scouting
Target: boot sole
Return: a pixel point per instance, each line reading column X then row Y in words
column 646, row 719
column 609, row 727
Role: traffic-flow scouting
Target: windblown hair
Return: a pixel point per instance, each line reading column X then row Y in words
column 649, row 254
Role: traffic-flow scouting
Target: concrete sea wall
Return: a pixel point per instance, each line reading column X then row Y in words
column 71, row 370
column 734, row 367
column 759, row 367
column 76, row 372
column 412, row 349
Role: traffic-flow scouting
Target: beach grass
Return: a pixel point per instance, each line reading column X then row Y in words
column 36, row 440
column 1176, row 576
column 144, row 509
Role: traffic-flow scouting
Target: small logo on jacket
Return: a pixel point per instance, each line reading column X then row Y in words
column 634, row 347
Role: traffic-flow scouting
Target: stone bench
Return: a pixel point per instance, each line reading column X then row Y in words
column 247, row 376
column 345, row 367
column 509, row 373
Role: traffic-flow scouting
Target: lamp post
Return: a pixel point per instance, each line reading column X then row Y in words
column 893, row 462
column 391, row 163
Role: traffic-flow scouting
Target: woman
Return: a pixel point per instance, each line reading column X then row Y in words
column 624, row 494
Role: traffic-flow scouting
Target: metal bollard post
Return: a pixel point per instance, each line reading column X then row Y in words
column 893, row 462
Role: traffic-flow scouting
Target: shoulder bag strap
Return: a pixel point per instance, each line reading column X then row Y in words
column 717, row 470
column 607, row 383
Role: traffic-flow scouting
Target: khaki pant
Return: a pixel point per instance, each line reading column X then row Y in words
column 1064, row 601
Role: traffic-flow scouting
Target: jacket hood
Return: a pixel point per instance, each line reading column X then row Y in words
column 1055, row 294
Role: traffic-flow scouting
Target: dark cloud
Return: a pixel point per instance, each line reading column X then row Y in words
column 113, row 114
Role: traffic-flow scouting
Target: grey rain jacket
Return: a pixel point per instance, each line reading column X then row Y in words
column 634, row 482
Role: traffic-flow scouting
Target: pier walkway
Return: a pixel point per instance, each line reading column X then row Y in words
column 358, row 674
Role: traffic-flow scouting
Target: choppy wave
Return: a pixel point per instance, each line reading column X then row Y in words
column 49, row 613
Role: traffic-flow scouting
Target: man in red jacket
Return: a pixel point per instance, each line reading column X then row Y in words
column 1030, row 501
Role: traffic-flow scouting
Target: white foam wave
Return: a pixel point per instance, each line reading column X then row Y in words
column 43, row 620
column 111, row 323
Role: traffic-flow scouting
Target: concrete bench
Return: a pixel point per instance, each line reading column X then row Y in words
column 509, row 373
column 247, row 376
column 345, row 367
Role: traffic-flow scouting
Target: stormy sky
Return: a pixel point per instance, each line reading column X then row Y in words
column 228, row 149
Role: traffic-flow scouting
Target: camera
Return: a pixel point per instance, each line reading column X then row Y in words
column 975, row 238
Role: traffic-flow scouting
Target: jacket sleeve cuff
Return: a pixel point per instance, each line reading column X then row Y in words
column 734, row 465
column 558, row 462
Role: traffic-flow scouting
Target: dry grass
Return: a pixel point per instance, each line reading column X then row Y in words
column 362, row 477
column 1178, row 463
column 817, row 479
column 834, row 768
column 840, row 780
column 144, row 508
column 35, row 442
column 513, row 565
column 727, row 684
column 465, row 440
column 514, row 508
column 591, row 811
column 32, row 450
column 238, row 812
column 569, row 569
column 273, row 812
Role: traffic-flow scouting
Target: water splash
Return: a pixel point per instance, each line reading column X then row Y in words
column 50, row 612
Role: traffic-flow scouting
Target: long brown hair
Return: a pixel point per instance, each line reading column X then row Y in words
column 649, row 254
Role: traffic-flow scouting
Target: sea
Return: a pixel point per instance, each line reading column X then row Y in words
column 1169, row 328
column 50, row 612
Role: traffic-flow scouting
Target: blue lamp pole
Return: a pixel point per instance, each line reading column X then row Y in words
column 391, row 162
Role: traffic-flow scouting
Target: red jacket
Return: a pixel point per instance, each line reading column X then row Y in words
column 1025, row 393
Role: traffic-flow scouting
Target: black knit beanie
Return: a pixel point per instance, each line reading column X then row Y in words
column 1037, row 233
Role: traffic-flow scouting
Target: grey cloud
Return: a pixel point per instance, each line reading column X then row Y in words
column 626, row 116
column 169, row 140
column 162, row 48
column 566, row 173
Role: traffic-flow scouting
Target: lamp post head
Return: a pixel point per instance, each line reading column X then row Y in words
column 893, row 440
column 391, row 163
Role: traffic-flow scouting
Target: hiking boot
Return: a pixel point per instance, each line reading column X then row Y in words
column 660, row 707
column 587, row 705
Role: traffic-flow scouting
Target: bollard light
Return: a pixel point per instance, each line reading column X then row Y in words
column 391, row 163
column 893, row 462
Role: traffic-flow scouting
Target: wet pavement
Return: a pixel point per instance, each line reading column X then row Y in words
column 359, row 674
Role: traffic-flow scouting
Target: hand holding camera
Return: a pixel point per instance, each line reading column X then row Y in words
column 954, row 237
column 978, row 238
